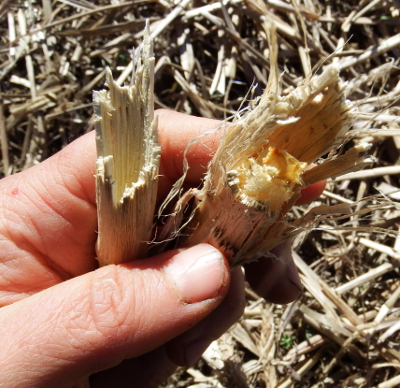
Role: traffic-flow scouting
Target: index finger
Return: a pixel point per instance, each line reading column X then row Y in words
column 175, row 133
column 75, row 164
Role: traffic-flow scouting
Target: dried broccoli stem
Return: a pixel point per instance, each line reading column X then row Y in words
column 260, row 166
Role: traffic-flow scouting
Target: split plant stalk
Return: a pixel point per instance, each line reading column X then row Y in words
column 253, row 180
column 127, row 163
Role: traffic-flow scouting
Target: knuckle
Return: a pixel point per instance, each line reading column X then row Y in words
column 110, row 304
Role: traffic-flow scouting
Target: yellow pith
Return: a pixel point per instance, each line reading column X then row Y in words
column 271, row 178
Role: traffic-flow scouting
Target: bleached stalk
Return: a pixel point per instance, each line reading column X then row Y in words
column 127, row 164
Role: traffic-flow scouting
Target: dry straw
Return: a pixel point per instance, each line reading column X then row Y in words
column 127, row 164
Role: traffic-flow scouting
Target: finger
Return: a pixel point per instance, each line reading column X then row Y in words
column 147, row 371
column 186, row 349
column 311, row 193
column 49, row 218
column 176, row 130
column 75, row 163
column 94, row 321
column 74, row 166
column 152, row 369
column 275, row 279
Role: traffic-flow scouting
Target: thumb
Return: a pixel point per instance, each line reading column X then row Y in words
column 91, row 323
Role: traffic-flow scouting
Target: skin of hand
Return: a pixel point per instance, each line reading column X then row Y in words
column 62, row 319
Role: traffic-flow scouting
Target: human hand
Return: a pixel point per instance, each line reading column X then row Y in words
column 62, row 319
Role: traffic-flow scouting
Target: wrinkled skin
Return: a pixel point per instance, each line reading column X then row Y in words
column 62, row 319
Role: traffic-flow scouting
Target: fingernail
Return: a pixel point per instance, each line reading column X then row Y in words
column 198, row 273
column 194, row 351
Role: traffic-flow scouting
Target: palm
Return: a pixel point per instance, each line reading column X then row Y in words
column 47, row 236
